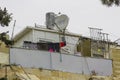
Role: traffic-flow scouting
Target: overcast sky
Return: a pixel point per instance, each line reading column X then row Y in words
column 82, row 14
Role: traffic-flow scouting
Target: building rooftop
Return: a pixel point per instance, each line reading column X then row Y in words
column 29, row 28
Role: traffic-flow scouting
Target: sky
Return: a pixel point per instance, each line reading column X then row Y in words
column 82, row 14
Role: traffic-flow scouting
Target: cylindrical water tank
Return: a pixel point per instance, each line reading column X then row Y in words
column 50, row 20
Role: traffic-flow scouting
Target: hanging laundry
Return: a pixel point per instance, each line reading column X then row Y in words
column 56, row 47
column 51, row 47
column 62, row 44
column 51, row 50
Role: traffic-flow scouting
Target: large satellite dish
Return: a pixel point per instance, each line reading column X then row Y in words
column 61, row 21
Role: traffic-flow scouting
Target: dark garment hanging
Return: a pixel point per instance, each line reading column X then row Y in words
column 54, row 46
column 51, row 46
column 57, row 47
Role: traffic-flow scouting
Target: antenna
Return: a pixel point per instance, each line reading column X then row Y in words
column 13, row 30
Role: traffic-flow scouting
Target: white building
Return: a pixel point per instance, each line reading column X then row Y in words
column 44, row 35
column 28, row 54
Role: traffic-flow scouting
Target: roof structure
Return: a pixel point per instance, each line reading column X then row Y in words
column 28, row 29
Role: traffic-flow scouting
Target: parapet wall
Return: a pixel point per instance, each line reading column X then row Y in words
column 62, row 62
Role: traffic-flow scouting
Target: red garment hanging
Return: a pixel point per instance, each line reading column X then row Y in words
column 62, row 44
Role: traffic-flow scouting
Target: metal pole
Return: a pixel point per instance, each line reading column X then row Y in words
column 59, row 40
column 13, row 30
column 5, row 72
column 50, row 60
column 108, row 46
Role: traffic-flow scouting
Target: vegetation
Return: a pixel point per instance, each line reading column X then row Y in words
column 5, row 19
column 111, row 2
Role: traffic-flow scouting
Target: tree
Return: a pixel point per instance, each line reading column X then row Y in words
column 111, row 2
column 5, row 17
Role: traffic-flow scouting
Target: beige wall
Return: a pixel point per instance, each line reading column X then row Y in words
column 42, row 74
column 4, row 53
column 115, row 52
column 3, row 47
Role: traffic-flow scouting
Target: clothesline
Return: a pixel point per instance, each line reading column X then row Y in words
column 52, row 47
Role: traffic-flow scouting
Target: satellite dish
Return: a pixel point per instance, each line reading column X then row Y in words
column 61, row 21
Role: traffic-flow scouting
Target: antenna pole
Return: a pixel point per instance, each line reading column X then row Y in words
column 13, row 30
column 58, row 27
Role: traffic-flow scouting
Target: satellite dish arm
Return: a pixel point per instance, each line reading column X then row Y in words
column 64, row 34
column 58, row 27
column 61, row 30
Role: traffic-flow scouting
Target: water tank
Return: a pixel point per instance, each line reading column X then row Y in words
column 50, row 20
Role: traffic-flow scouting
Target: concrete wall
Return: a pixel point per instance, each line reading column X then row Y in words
column 62, row 62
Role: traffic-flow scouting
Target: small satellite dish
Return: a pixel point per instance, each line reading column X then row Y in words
column 61, row 21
